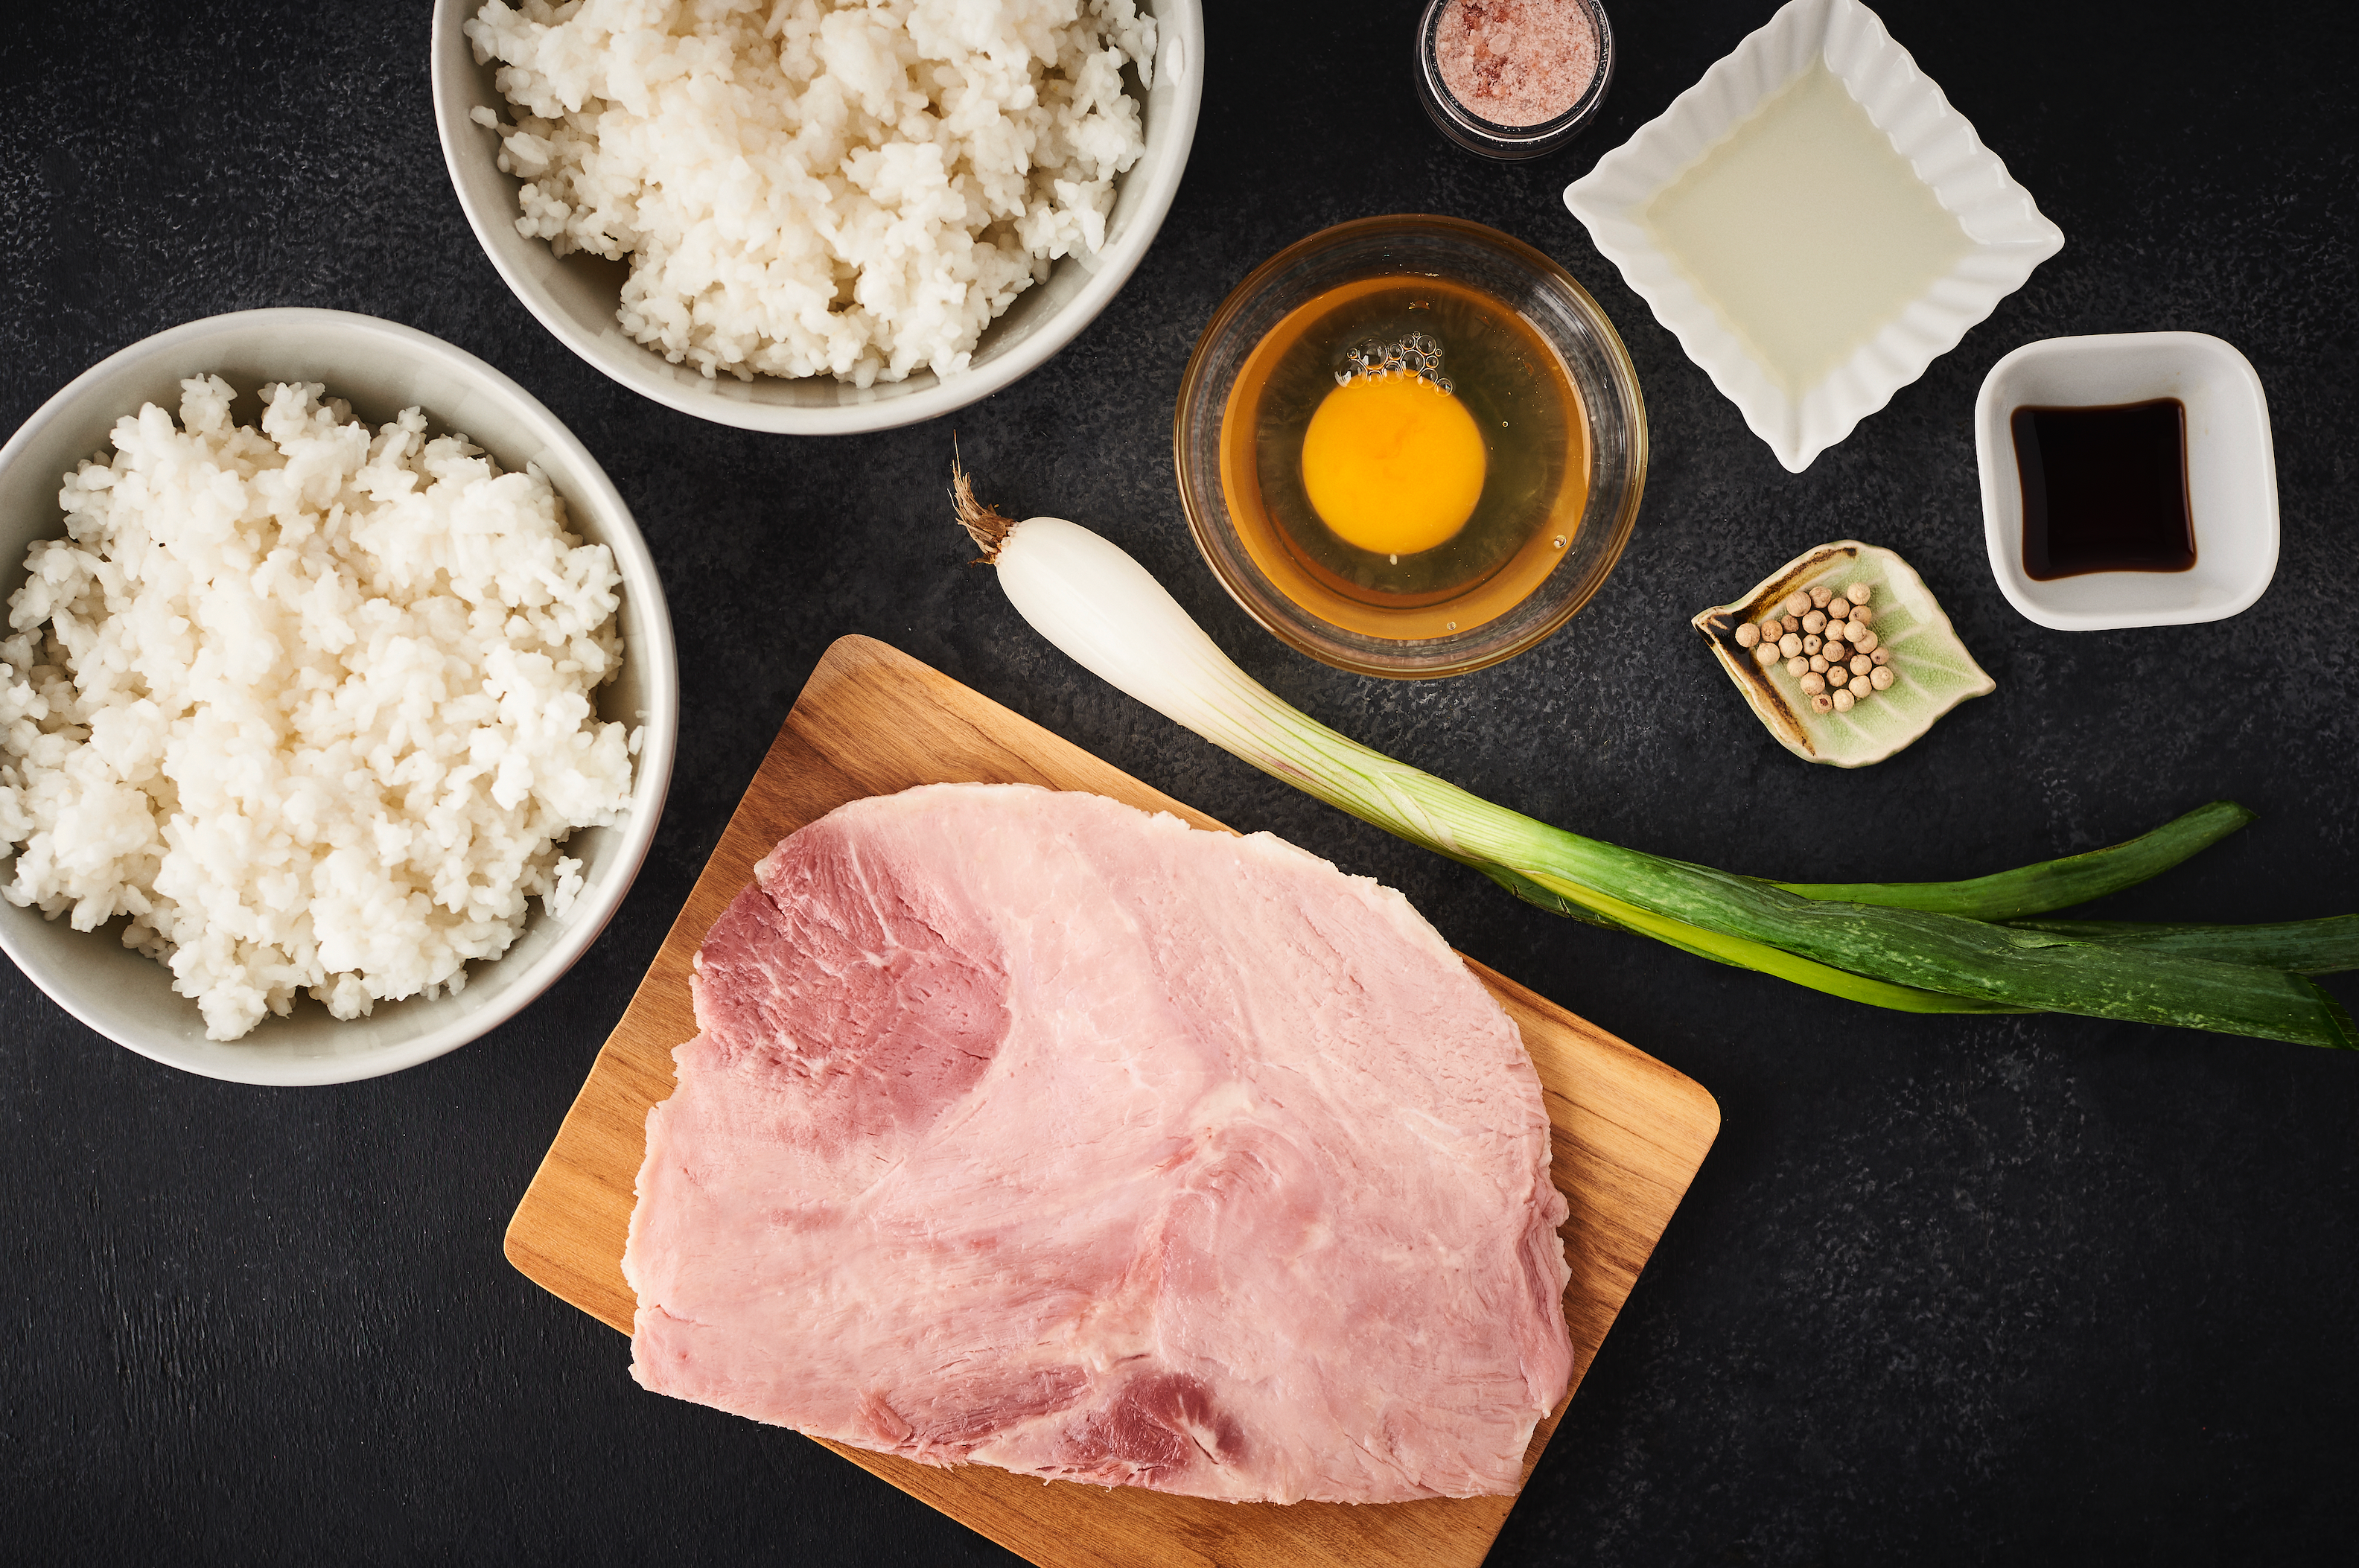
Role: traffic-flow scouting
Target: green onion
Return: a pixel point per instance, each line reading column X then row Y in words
column 1109, row 614
column 2051, row 884
column 1739, row 954
column 2303, row 947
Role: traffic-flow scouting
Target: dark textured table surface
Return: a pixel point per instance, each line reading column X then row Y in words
column 1947, row 1290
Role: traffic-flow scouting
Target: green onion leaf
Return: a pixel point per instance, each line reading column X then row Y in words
column 1734, row 952
column 2301, row 947
column 2050, row 884
column 1906, row 947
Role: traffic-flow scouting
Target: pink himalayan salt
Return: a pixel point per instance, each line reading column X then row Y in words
column 1516, row 62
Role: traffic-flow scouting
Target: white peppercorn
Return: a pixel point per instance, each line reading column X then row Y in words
column 1822, row 636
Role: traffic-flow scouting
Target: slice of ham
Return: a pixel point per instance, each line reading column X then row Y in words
column 1027, row 1128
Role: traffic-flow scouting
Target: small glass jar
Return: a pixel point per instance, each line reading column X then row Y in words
column 1491, row 140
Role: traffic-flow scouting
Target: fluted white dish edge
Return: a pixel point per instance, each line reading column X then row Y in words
column 2009, row 235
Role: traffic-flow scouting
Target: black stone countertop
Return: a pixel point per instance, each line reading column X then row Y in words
column 1946, row 1290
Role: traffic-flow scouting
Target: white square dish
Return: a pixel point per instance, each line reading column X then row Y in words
column 2231, row 477
column 2004, row 234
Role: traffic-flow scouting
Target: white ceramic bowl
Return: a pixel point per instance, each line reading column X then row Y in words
column 576, row 297
column 2231, row 477
column 380, row 368
column 2008, row 237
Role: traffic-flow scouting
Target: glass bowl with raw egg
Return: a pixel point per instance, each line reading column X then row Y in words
column 1410, row 446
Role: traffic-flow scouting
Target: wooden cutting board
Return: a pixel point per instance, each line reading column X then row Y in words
column 1629, row 1134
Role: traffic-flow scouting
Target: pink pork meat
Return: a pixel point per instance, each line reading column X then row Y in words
column 1030, row 1130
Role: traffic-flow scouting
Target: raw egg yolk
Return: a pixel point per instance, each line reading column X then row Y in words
column 1393, row 463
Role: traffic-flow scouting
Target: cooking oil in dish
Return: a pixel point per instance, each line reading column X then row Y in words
column 1404, row 457
column 1806, row 230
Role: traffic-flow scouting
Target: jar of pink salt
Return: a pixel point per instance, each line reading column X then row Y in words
column 1514, row 78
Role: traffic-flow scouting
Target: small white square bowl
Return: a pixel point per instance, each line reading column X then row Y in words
column 2009, row 236
column 2231, row 477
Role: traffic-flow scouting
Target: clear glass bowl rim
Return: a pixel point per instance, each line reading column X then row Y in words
column 1208, row 515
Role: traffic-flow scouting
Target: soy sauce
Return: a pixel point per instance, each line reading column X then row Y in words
column 2104, row 489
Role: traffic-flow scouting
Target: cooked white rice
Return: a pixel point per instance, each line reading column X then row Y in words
column 312, row 706
column 808, row 186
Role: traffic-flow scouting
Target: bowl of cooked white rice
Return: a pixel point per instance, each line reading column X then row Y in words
column 337, row 697
column 816, row 217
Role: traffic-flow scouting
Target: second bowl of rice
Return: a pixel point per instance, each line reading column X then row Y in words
column 361, row 727
column 820, row 217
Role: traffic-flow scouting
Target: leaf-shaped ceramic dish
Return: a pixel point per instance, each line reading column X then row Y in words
column 1932, row 672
